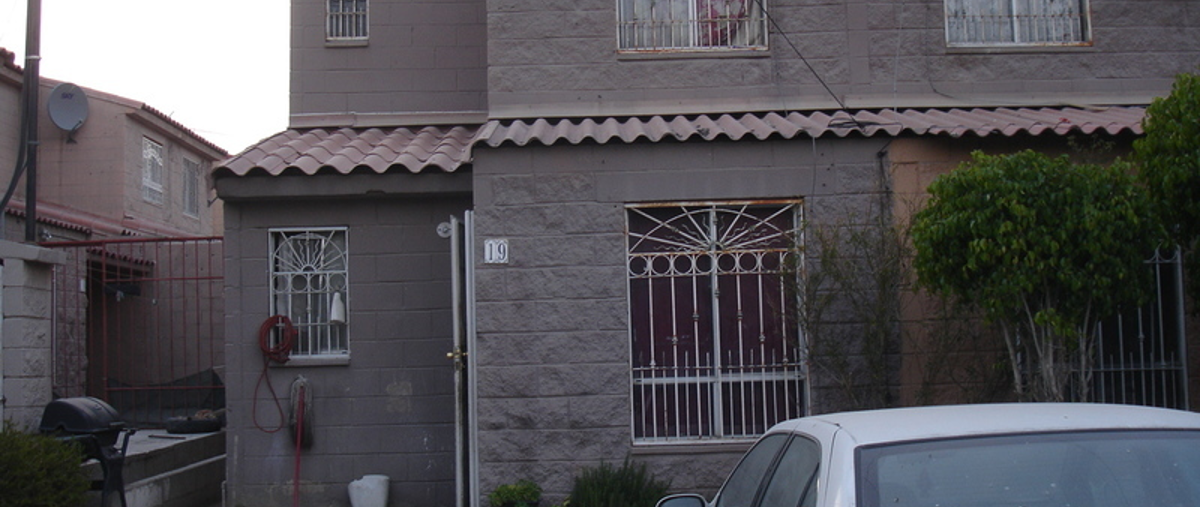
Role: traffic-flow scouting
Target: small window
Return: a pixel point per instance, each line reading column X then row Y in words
column 309, row 285
column 691, row 25
column 346, row 20
column 985, row 23
column 191, row 187
column 152, row 171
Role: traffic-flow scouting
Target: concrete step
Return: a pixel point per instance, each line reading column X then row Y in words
column 169, row 470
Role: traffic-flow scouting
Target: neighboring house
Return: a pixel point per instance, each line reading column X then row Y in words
column 515, row 239
column 128, row 173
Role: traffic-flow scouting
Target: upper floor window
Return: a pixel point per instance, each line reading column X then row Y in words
column 346, row 20
column 309, row 284
column 152, row 171
column 975, row 23
column 191, row 187
column 657, row 25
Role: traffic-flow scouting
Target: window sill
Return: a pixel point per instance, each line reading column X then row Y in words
column 682, row 54
column 330, row 360
column 691, row 447
column 346, row 43
column 1014, row 49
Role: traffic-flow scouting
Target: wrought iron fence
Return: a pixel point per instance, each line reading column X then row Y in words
column 138, row 323
column 1141, row 354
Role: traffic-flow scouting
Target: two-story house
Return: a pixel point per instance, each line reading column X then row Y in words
column 511, row 239
column 122, row 172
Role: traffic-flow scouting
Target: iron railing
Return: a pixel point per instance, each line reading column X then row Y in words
column 138, row 323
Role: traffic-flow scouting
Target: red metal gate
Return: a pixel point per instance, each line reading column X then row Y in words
column 138, row 323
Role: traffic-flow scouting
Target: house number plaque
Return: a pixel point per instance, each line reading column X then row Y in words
column 495, row 251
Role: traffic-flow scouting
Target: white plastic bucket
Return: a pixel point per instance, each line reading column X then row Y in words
column 369, row 491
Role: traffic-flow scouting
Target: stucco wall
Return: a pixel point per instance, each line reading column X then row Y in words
column 553, row 337
column 391, row 409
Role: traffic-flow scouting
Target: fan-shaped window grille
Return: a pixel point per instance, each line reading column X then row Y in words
column 309, row 284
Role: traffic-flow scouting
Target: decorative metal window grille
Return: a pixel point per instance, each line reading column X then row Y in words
column 346, row 20
column 1017, row 22
column 309, row 278
column 716, row 348
column 152, row 171
column 656, row 25
column 191, row 187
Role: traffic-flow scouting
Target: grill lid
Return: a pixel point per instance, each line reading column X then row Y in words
column 83, row 415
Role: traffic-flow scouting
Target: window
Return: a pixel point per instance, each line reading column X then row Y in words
column 152, row 171
column 746, row 480
column 794, row 481
column 1082, row 468
column 657, row 25
column 191, row 187
column 973, row 23
column 309, row 285
column 715, row 345
column 346, row 20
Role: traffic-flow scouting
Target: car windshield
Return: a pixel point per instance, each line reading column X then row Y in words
column 1081, row 469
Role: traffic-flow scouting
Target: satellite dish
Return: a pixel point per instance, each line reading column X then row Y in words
column 68, row 108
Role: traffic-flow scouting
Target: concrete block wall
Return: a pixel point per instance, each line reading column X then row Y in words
column 552, row 58
column 391, row 409
column 423, row 56
column 26, row 368
column 553, row 337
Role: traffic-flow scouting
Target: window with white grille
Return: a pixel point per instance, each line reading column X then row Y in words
column 152, row 171
column 664, row 25
column 346, row 20
column 309, row 285
column 192, row 174
column 973, row 23
column 716, row 348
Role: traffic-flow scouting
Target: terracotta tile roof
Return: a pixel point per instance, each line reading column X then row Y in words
column 952, row 122
column 344, row 150
column 380, row 150
column 8, row 59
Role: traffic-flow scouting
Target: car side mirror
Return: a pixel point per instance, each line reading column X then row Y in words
column 683, row 500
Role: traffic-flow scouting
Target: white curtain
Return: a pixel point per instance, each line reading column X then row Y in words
column 1015, row 21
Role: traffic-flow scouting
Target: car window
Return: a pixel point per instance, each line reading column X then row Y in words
column 795, row 476
column 1082, row 469
column 743, row 484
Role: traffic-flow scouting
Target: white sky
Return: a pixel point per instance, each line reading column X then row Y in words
column 219, row 67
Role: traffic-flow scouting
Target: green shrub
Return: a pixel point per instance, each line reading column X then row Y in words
column 40, row 471
column 523, row 493
column 628, row 486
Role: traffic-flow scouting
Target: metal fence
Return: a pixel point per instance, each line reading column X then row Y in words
column 1141, row 355
column 138, row 323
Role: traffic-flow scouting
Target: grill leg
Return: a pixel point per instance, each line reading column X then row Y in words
column 113, row 465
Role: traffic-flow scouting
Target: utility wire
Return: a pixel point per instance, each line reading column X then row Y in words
column 796, row 50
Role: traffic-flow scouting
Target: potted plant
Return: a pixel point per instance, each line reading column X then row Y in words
column 523, row 493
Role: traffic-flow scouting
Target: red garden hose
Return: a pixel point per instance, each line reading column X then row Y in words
column 278, row 352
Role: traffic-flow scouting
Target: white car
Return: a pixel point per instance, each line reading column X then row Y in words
column 999, row 455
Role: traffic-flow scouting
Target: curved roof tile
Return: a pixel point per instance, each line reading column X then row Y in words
column 416, row 149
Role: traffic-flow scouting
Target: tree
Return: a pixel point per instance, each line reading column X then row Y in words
column 1045, row 248
column 1169, row 166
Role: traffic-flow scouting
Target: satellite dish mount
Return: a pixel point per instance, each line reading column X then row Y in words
column 68, row 108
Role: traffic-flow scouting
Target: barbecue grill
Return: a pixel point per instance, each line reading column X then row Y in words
column 96, row 426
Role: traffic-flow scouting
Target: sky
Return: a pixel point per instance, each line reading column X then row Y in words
column 218, row 67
